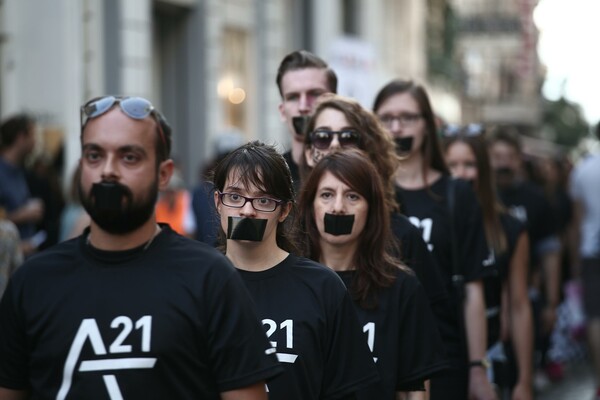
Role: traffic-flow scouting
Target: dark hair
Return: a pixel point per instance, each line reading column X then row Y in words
column 163, row 148
column 431, row 149
column 261, row 165
column 374, row 140
column 14, row 126
column 302, row 59
column 508, row 135
column 374, row 260
column 485, row 190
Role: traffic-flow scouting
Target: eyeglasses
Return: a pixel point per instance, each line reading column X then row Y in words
column 234, row 200
column 404, row 120
column 322, row 138
column 133, row 107
column 469, row 130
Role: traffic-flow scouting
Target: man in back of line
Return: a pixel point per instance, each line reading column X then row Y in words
column 129, row 309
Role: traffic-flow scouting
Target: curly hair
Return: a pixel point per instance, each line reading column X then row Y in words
column 374, row 140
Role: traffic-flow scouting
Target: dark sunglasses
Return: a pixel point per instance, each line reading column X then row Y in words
column 133, row 107
column 469, row 130
column 322, row 138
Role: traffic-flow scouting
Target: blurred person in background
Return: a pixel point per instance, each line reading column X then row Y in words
column 44, row 183
column 73, row 219
column 344, row 214
column 174, row 206
column 527, row 202
column 449, row 215
column 301, row 78
column 11, row 256
column 585, row 191
column 17, row 141
column 507, row 305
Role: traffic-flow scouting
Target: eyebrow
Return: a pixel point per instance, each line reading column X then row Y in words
column 122, row 149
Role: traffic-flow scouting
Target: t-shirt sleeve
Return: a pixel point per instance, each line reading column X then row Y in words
column 238, row 346
column 420, row 351
column 14, row 372
column 349, row 364
column 473, row 248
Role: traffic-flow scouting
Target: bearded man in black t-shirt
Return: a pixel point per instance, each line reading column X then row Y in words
column 129, row 309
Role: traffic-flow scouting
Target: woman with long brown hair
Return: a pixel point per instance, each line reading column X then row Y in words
column 507, row 305
column 343, row 211
column 450, row 219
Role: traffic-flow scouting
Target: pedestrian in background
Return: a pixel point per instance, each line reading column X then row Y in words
column 450, row 218
column 585, row 192
column 508, row 310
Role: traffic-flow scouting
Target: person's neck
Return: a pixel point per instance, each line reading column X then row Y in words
column 409, row 175
column 297, row 150
column 338, row 258
column 102, row 240
column 254, row 256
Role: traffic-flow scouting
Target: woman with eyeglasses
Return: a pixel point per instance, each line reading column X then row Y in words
column 305, row 308
column 345, row 216
column 508, row 309
column 450, row 219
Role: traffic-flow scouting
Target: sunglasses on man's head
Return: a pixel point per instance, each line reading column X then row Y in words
column 469, row 130
column 133, row 107
column 322, row 138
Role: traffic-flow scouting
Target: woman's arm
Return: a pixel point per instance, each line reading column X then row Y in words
column 521, row 326
column 480, row 387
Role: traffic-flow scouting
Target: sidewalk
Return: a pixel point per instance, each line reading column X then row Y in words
column 578, row 384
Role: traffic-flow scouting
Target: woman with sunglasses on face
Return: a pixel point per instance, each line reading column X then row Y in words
column 450, row 218
column 341, row 123
column 508, row 308
column 305, row 308
column 344, row 214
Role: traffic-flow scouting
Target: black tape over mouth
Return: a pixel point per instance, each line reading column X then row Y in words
column 109, row 195
column 300, row 123
column 338, row 225
column 242, row 228
column 404, row 144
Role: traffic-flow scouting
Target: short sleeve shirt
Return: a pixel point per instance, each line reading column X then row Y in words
column 309, row 317
column 174, row 321
column 402, row 335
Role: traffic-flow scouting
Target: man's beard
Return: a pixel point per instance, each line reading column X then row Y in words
column 112, row 207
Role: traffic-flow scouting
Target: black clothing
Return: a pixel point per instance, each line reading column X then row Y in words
column 513, row 229
column 403, row 336
column 427, row 209
column 309, row 317
column 170, row 321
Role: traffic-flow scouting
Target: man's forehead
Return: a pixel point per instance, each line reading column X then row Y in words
column 304, row 79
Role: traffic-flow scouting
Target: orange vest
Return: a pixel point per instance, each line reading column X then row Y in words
column 175, row 215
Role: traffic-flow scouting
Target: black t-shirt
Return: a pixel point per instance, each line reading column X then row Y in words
column 402, row 335
column 526, row 202
column 171, row 322
column 414, row 253
column 512, row 228
column 427, row 209
column 309, row 317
